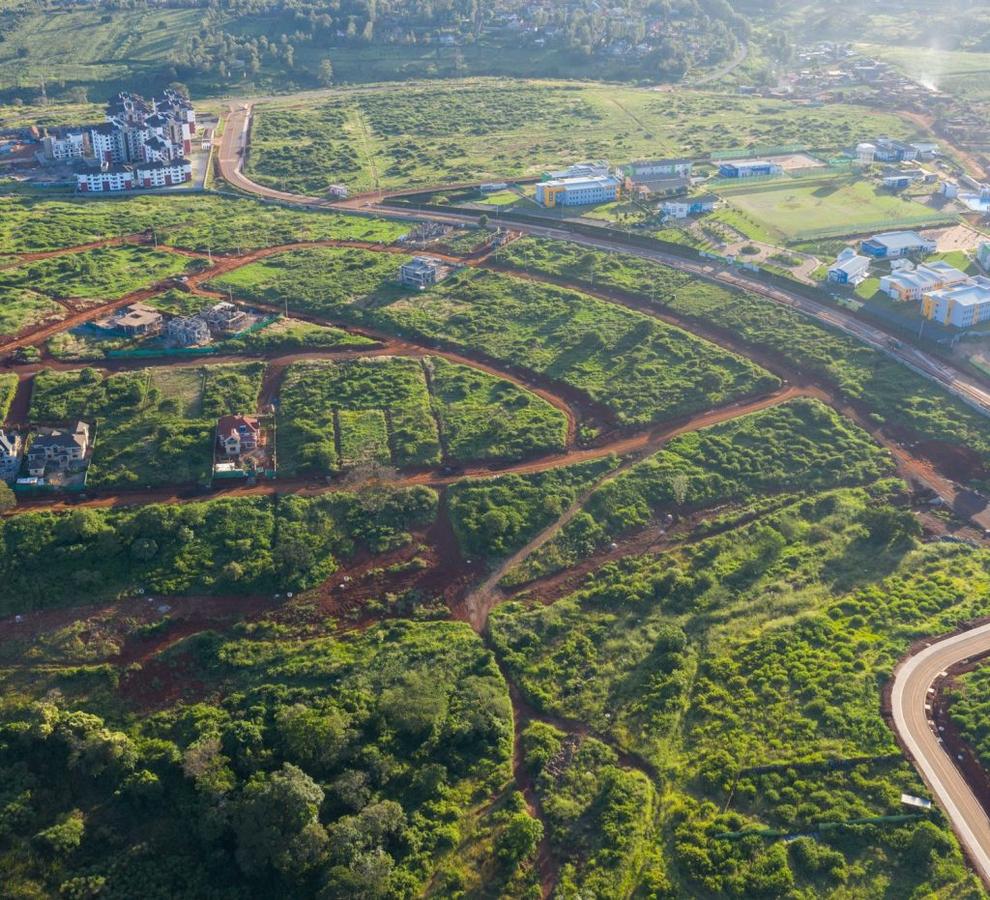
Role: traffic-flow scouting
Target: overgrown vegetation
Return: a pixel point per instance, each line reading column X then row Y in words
column 248, row 545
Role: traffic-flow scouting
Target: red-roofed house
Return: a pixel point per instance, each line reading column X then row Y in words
column 238, row 434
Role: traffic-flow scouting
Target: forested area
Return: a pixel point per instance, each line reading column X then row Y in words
column 332, row 767
column 742, row 667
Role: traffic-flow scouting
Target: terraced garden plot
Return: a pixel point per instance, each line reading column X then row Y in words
column 154, row 426
column 340, row 415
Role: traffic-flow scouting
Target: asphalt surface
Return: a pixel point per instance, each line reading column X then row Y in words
column 235, row 143
column 911, row 695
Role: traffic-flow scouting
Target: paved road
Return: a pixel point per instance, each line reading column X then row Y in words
column 909, row 696
column 235, row 141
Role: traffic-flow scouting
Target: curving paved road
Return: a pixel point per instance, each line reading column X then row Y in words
column 971, row 391
column 913, row 681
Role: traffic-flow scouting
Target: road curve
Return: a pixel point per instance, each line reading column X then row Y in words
column 910, row 699
column 234, row 146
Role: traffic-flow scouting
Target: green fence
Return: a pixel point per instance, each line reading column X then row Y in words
column 754, row 152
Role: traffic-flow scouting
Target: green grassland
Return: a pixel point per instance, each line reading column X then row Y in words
column 105, row 273
column 154, row 426
column 378, row 748
column 479, row 129
column 962, row 73
column 31, row 221
column 21, row 308
column 407, row 412
column 969, row 702
column 8, row 388
column 796, row 209
column 325, row 281
column 800, row 446
column 640, row 368
column 766, row 646
column 895, row 395
column 482, row 417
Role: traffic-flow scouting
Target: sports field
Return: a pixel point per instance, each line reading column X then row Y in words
column 817, row 207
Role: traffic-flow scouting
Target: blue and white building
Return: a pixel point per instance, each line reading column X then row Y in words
column 895, row 244
column 749, row 168
column 849, row 268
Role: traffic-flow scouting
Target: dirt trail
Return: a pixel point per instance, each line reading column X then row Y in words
column 480, row 602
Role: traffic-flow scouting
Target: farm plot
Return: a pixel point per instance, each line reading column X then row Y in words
column 800, row 446
column 806, row 208
column 153, row 426
column 105, row 273
column 380, row 410
column 641, row 369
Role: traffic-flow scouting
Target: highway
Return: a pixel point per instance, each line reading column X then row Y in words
column 910, row 694
column 234, row 146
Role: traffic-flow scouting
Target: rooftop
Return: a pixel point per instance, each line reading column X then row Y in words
column 975, row 292
column 899, row 239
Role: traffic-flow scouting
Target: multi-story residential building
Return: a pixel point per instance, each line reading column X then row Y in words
column 579, row 191
column 106, row 178
column 961, row 306
column 420, row 272
column 59, row 449
column 187, row 331
column 67, row 145
column 162, row 174
column 651, row 169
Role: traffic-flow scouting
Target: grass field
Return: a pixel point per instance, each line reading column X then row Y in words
column 154, row 426
column 798, row 209
column 105, row 273
column 481, row 128
column 31, row 220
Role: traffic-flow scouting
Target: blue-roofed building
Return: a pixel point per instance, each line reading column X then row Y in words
column 748, row 168
column 578, row 191
column 895, row 244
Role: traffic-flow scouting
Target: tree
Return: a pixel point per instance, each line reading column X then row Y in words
column 519, row 839
column 326, row 72
column 7, row 498
column 679, row 487
column 276, row 822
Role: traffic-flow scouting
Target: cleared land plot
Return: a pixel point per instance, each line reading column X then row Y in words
column 154, row 426
column 380, row 410
column 105, row 273
column 802, row 209
column 384, row 138
column 32, row 221
column 326, row 280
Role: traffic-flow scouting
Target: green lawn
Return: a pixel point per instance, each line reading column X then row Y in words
column 799, row 209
